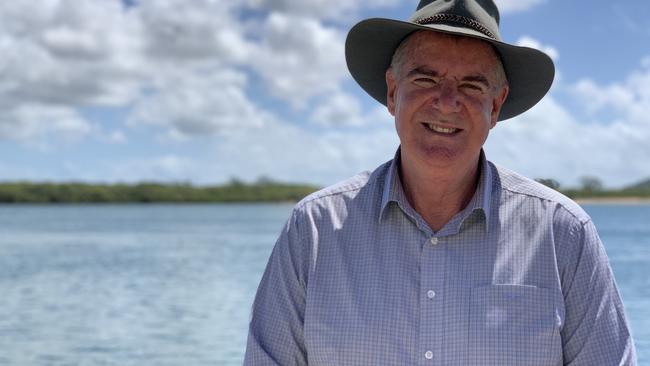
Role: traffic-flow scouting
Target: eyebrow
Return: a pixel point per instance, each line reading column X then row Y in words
column 478, row 78
column 423, row 71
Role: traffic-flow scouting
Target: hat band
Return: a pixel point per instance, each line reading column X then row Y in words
column 453, row 18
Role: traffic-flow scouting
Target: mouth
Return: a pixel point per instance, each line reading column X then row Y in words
column 441, row 130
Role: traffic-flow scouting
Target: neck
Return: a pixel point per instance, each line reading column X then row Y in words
column 439, row 193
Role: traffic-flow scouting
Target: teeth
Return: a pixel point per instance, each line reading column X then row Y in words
column 441, row 129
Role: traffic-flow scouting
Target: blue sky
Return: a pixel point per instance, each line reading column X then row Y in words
column 203, row 91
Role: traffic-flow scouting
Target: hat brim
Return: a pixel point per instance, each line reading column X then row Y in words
column 371, row 43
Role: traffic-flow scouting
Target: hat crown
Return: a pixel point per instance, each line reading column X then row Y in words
column 371, row 43
column 488, row 5
column 482, row 15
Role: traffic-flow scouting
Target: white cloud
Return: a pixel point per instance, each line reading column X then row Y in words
column 344, row 110
column 299, row 58
column 339, row 109
column 95, row 53
column 66, row 42
column 98, row 54
column 199, row 104
column 159, row 57
column 346, row 9
column 192, row 69
column 41, row 124
column 550, row 142
column 59, row 56
column 527, row 41
column 117, row 137
column 281, row 151
column 595, row 97
column 623, row 141
column 169, row 168
column 181, row 31
column 630, row 98
column 67, row 53
column 290, row 153
column 322, row 9
column 515, row 6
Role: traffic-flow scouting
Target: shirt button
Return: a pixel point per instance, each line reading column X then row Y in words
column 431, row 294
column 433, row 241
column 428, row 355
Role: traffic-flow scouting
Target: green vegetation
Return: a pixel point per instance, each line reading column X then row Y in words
column 643, row 186
column 264, row 190
column 592, row 187
column 235, row 191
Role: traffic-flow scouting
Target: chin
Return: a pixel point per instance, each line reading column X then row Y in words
column 441, row 152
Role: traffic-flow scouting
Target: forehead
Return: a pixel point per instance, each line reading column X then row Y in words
column 431, row 48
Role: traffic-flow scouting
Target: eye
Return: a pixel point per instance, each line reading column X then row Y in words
column 473, row 87
column 425, row 81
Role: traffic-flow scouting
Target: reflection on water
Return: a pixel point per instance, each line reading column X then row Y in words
column 173, row 284
column 130, row 285
column 625, row 231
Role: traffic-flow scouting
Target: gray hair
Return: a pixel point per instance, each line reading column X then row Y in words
column 399, row 57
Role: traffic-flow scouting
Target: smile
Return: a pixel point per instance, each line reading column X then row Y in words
column 442, row 130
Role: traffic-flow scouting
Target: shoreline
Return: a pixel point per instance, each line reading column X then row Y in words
column 614, row 200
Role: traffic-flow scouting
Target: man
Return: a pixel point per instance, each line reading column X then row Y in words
column 439, row 257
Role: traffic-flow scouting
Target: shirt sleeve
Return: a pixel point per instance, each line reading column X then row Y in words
column 275, row 335
column 595, row 331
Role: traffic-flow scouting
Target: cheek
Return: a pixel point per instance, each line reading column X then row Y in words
column 400, row 122
column 408, row 102
column 480, row 108
column 400, row 107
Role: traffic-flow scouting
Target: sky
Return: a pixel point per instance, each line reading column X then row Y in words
column 205, row 91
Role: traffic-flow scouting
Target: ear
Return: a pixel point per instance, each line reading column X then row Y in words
column 497, row 103
column 391, row 85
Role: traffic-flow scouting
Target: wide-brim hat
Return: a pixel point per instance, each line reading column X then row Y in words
column 370, row 45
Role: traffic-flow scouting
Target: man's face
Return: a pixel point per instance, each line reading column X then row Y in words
column 445, row 95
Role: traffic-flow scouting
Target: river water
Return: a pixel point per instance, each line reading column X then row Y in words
column 173, row 284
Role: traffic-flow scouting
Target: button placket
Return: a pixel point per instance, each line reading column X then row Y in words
column 432, row 312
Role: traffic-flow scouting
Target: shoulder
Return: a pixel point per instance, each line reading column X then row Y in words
column 516, row 187
column 362, row 191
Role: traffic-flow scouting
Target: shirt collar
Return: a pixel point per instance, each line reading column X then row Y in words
column 482, row 197
column 393, row 190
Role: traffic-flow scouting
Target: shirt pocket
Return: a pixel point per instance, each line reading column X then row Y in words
column 512, row 325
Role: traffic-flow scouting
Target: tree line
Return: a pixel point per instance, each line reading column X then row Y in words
column 593, row 187
column 264, row 190
column 235, row 191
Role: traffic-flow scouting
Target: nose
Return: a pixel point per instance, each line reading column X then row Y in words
column 447, row 99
